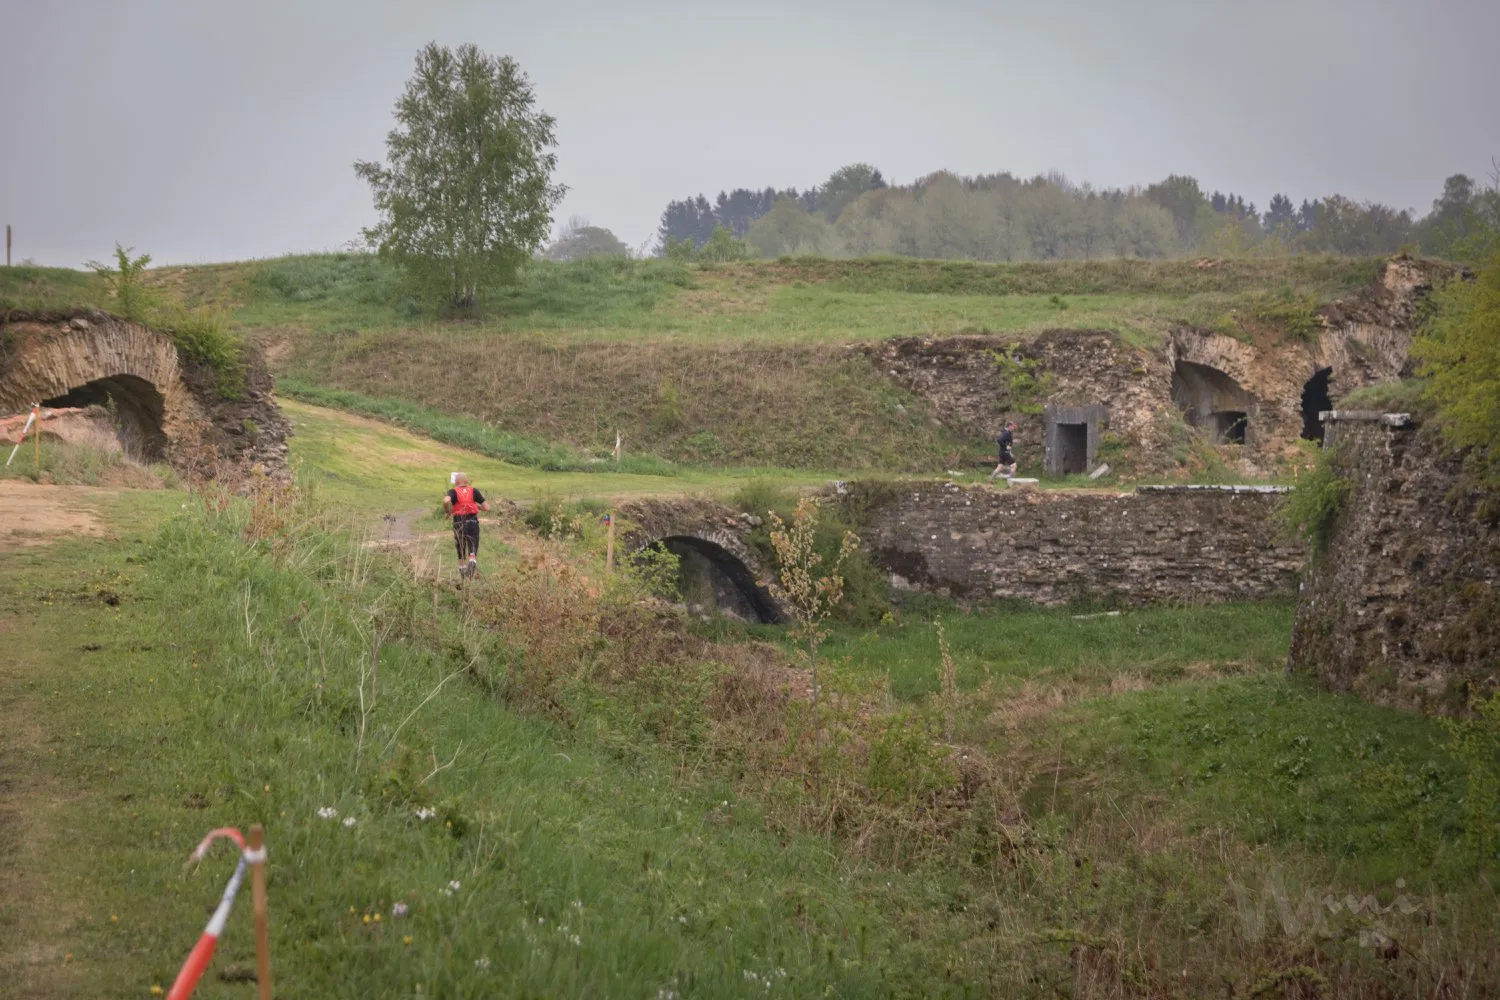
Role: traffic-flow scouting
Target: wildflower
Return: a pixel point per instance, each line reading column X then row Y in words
column 327, row 812
column 450, row 888
column 114, row 918
column 349, row 822
column 156, row 990
column 577, row 941
column 682, row 919
column 398, row 910
column 367, row 918
column 406, row 940
column 377, row 918
column 425, row 812
column 482, row 962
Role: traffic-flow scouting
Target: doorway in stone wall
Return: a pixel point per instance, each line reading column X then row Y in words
column 1315, row 400
column 1073, row 448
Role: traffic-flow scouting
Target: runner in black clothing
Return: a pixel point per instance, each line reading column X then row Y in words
column 1006, row 441
column 464, row 503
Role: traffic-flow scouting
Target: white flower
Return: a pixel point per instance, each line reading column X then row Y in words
column 454, row 886
column 425, row 813
column 349, row 821
column 450, row 888
column 482, row 962
column 399, row 910
column 327, row 812
column 682, row 919
column 577, row 941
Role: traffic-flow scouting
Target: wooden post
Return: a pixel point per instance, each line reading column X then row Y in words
column 256, row 843
column 609, row 552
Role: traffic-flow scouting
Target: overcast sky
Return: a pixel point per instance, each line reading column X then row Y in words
column 201, row 130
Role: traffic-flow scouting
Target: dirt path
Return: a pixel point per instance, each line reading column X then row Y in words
column 35, row 515
column 402, row 527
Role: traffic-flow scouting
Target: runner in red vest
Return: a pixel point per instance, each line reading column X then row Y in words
column 464, row 503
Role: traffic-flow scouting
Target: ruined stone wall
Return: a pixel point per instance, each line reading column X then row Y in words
column 47, row 356
column 1153, row 545
column 1404, row 606
column 1362, row 339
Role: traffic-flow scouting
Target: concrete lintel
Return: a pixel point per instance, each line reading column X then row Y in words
column 1213, row 488
column 1367, row 416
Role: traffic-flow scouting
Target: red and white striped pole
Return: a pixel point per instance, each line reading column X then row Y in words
column 35, row 408
column 203, row 952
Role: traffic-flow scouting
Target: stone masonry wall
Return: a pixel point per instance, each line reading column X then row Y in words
column 1155, row 545
column 1404, row 606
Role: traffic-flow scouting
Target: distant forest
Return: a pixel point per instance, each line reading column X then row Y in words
column 999, row 217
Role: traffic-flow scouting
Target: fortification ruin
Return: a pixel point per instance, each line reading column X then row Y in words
column 1264, row 396
column 161, row 407
column 1403, row 606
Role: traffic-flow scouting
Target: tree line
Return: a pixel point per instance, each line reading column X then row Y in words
column 1000, row 217
column 466, row 194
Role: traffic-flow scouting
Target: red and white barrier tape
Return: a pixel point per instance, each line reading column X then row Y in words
column 203, row 951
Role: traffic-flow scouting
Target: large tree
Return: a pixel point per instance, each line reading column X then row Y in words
column 843, row 186
column 467, row 195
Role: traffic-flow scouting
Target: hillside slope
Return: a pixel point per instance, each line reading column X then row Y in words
column 742, row 364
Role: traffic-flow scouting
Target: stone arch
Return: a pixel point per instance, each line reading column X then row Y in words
column 710, row 537
column 95, row 359
column 1211, row 399
column 736, row 587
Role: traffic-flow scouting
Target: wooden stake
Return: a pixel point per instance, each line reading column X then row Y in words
column 256, row 842
column 609, row 552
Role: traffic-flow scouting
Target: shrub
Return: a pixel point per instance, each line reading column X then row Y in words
column 202, row 336
column 1312, row 510
column 1460, row 352
column 132, row 299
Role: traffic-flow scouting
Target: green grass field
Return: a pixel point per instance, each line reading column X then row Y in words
column 1071, row 819
column 373, row 467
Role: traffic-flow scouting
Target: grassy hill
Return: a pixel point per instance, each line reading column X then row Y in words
column 738, row 364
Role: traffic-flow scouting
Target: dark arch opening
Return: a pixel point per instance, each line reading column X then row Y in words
column 137, row 408
column 1212, row 401
column 711, row 572
column 1315, row 400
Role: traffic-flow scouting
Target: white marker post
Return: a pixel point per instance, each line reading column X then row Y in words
column 29, row 421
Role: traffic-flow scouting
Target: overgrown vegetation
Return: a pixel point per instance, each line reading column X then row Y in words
column 864, row 590
column 1311, row 511
column 201, row 334
column 85, row 463
column 1459, row 352
column 1403, row 396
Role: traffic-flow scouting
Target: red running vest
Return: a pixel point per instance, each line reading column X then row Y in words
column 464, row 505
